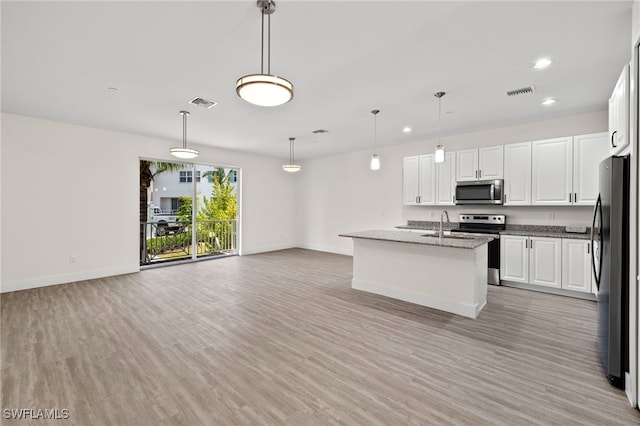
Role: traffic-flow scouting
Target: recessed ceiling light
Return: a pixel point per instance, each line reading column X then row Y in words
column 406, row 129
column 549, row 101
column 112, row 89
column 541, row 63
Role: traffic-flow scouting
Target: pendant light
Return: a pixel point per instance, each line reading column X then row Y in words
column 439, row 157
column 265, row 89
column 375, row 158
column 292, row 167
column 184, row 152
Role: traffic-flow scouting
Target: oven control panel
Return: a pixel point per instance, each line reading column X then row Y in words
column 489, row 219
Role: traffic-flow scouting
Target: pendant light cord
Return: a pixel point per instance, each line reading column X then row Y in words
column 375, row 133
column 291, row 150
column 375, row 129
column 184, row 128
column 439, row 117
column 262, row 44
column 269, row 38
column 266, row 10
column 439, row 95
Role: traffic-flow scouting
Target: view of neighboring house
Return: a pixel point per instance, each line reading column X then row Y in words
column 167, row 188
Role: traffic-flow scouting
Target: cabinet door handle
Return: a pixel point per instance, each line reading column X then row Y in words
column 479, row 174
column 476, row 174
column 570, row 197
column 588, row 245
column 526, row 243
column 613, row 144
column 531, row 245
column 575, row 197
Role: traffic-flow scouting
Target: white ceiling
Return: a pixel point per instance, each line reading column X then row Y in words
column 345, row 58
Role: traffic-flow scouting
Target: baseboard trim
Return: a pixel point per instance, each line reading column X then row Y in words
column 550, row 290
column 469, row 311
column 627, row 388
column 8, row 286
column 266, row 249
column 327, row 249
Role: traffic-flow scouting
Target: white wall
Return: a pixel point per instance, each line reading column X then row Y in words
column 340, row 194
column 73, row 190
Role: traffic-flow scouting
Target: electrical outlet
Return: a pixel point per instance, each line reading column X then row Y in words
column 551, row 216
column 432, row 214
column 73, row 258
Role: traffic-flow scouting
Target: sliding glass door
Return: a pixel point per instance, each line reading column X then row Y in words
column 171, row 229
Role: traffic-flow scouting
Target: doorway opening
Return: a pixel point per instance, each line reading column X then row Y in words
column 171, row 229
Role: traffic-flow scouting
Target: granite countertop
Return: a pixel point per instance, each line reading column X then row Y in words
column 550, row 234
column 428, row 225
column 524, row 230
column 415, row 238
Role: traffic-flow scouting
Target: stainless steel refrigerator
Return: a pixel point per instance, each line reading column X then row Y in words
column 610, row 261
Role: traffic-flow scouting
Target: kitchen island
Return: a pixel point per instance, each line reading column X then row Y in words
column 449, row 273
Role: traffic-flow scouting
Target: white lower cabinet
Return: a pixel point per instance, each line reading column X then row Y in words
column 545, row 261
column 531, row 260
column 576, row 265
column 514, row 258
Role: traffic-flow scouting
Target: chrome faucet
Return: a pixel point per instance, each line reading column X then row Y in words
column 444, row 213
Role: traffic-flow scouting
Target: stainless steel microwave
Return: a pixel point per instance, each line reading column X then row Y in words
column 479, row 192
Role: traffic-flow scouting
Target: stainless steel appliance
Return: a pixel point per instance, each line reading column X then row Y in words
column 610, row 262
column 479, row 192
column 471, row 223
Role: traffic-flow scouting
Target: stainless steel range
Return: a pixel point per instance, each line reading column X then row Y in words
column 472, row 223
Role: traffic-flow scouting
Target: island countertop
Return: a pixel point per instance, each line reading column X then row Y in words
column 462, row 242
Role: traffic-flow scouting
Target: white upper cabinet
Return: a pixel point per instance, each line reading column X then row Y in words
column 517, row 174
column 427, row 192
column 491, row 162
column 467, row 165
column 410, row 185
column 446, row 180
column 619, row 114
column 480, row 164
column 576, row 265
column 551, row 172
column 426, row 182
column 418, row 180
column 588, row 152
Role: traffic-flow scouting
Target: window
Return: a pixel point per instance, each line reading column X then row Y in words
column 232, row 176
column 186, row 176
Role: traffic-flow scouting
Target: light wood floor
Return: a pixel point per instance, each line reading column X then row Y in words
column 281, row 338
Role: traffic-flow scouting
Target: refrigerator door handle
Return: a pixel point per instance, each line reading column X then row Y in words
column 613, row 135
column 596, row 273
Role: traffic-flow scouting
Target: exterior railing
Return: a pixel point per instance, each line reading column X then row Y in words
column 165, row 243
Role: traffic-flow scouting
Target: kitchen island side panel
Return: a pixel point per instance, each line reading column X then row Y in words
column 445, row 278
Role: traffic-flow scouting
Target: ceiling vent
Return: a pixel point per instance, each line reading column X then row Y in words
column 320, row 131
column 523, row 91
column 201, row 102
